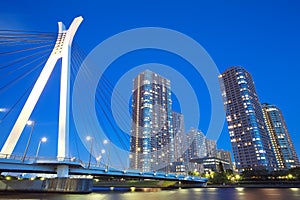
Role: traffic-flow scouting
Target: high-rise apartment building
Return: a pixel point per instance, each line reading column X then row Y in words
column 194, row 145
column 249, row 137
column 283, row 147
column 151, row 142
column 179, row 135
column 211, row 148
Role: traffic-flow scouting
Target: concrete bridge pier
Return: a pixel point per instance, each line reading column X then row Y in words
column 59, row 185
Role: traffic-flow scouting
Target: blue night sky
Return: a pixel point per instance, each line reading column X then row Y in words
column 261, row 36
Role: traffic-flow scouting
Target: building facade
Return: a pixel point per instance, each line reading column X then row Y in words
column 226, row 156
column 211, row 148
column 208, row 164
column 249, row 137
column 179, row 135
column 195, row 145
column 283, row 147
column 151, row 141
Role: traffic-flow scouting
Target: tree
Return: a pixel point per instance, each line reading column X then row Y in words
column 220, row 167
column 256, row 174
column 219, row 178
column 295, row 172
column 229, row 171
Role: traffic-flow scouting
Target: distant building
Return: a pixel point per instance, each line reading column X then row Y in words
column 215, row 164
column 179, row 135
column 283, row 147
column 151, row 141
column 249, row 137
column 211, row 148
column 196, row 145
column 220, row 160
column 226, row 156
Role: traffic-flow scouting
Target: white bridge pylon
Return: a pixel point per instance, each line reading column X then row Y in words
column 62, row 49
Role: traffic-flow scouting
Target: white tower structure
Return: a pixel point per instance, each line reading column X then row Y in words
column 62, row 49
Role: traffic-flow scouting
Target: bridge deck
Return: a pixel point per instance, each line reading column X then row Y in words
column 79, row 168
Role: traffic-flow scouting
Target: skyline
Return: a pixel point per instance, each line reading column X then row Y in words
column 249, row 48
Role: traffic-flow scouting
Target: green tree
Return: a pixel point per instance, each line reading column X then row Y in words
column 219, row 178
column 295, row 172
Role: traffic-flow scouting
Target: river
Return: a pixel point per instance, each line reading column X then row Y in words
column 197, row 193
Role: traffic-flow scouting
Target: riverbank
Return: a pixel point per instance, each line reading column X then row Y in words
column 196, row 193
column 271, row 185
column 145, row 185
column 89, row 185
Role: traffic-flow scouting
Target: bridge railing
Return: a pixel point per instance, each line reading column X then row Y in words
column 48, row 160
column 32, row 159
column 11, row 156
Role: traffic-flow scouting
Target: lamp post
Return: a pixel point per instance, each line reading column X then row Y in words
column 89, row 138
column 129, row 160
column 170, row 167
column 43, row 139
column 99, row 159
column 29, row 123
column 2, row 110
column 108, row 153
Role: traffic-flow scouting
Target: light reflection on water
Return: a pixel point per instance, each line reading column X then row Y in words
column 196, row 193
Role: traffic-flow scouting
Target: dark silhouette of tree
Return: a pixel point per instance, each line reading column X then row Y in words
column 220, row 167
column 219, row 178
column 295, row 172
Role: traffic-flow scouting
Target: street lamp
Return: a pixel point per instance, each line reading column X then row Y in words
column 108, row 154
column 29, row 123
column 129, row 160
column 98, row 160
column 43, row 139
column 89, row 138
column 2, row 110
column 170, row 167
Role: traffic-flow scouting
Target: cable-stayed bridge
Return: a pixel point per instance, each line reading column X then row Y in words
column 28, row 61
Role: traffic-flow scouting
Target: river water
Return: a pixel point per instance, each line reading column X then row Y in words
column 197, row 193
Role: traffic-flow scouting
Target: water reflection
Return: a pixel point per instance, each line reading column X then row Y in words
column 197, row 193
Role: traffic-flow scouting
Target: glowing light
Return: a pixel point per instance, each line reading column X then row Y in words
column 105, row 141
column 3, row 109
column 44, row 139
column 290, row 176
column 88, row 138
column 98, row 158
column 239, row 189
column 29, row 122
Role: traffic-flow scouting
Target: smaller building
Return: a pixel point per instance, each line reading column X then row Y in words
column 178, row 167
column 212, row 164
column 224, row 155
column 211, row 147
